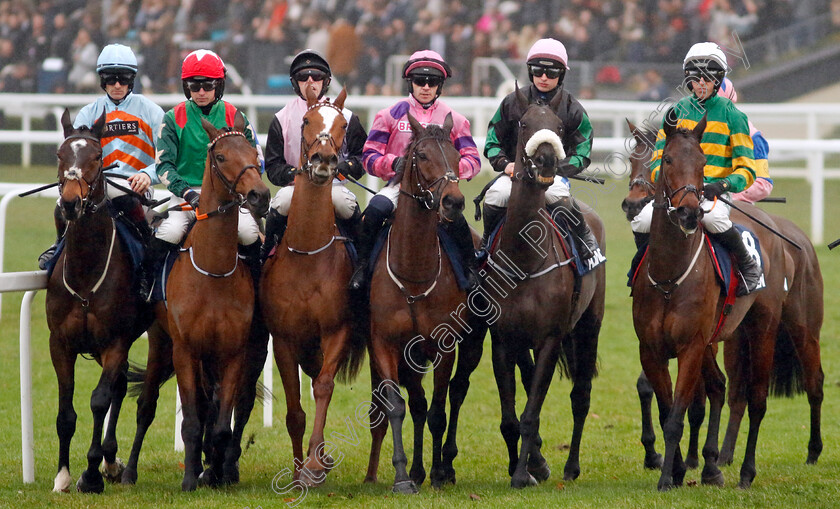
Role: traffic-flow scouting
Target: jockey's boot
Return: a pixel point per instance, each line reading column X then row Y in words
column 275, row 228
column 153, row 259
column 491, row 215
column 372, row 222
column 751, row 273
column 250, row 254
column 642, row 239
column 568, row 208
column 60, row 228
column 462, row 235
column 131, row 209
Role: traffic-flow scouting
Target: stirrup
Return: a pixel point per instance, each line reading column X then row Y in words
column 359, row 278
column 46, row 256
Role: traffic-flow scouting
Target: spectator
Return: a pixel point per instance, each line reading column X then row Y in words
column 82, row 75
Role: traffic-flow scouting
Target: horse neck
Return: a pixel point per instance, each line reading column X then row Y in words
column 311, row 221
column 86, row 245
column 671, row 251
column 215, row 239
column 524, row 208
column 414, row 241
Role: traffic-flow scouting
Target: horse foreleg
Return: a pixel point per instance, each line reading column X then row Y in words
column 112, row 467
column 696, row 415
column 230, row 380
column 190, row 390
column 295, row 416
column 503, row 371
column 437, row 417
column 737, row 398
column 715, row 387
column 655, row 368
column 653, row 460
column 64, row 364
column 378, row 426
column 418, row 407
column 537, row 465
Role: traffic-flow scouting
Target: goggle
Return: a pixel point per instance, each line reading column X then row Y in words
column 549, row 72
column 698, row 73
column 112, row 79
column 206, row 85
column 305, row 74
column 422, row 80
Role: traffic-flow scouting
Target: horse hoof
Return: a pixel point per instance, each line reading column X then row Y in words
column 189, row 484
column 90, row 483
column 370, row 479
column 313, row 478
column 520, row 483
column 540, row 472
column 713, row 479
column 812, row 459
column 745, row 484
column 417, row 476
column 63, row 481
column 442, row 477
column 129, row 476
column 112, row 472
column 724, row 459
column 570, row 474
column 208, row 478
column 691, row 462
column 405, row 488
column 665, row 484
column 653, row 462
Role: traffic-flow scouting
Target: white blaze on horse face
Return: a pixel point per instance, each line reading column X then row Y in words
column 328, row 115
column 545, row 136
column 74, row 172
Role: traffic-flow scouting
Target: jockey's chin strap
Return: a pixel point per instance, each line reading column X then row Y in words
column 428, row 193
column 239, row 199
column 322, row 138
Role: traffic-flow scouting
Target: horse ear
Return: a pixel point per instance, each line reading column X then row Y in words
column 556, row 100
column 670, row 123
column 99, row 126
column 521, row 99
column 342, row 96
column 239, row 122
column 448, row 123
column 311, row 97
column 699, row 129
column 416, row 127
column 212, row 132
column 66, row 123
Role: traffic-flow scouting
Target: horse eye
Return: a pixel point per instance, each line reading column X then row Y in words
column 306, row 121
column 422, row 156
column 220, row 158
column 666, row 159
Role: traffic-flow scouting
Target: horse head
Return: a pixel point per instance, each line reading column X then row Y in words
column 432, row 164
column 641, row 188
column 81, row 183
column 236, row 164
column 322, row 134
column 540, row 139
column 680, row 182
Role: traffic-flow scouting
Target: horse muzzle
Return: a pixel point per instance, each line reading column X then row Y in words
column 632, row 208
column 71, row 209
column 451, row 206
column 689, row 218
column 257, row 201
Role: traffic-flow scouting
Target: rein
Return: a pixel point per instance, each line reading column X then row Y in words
column 86, row 301
column 411, row 299
column 426, row 194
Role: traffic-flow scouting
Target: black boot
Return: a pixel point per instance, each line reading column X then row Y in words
column 462, row 235
column 153, row 260
column 130, row 208
column 642, row 240
column 275, row 228
column 492, row 215
column 251, row 254
column 372, row 222
column 567, row 207
column 60, row 228
column 751, row 275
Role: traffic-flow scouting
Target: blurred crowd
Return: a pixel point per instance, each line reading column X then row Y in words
column 52, row 45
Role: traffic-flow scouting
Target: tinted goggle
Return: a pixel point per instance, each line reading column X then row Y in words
column 305, row 74
column 206, row 85
column 549, row 72
column 696, row 73
column 112, row 79
column 422, row 80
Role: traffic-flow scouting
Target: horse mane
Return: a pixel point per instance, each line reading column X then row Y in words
column 432, row 131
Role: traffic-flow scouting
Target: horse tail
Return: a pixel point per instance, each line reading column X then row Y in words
column 787, row 377
column 359, row 334
column 579, row 356
column 137, row 377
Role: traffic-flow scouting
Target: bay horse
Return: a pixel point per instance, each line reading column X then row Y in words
column 677, row 304
column 548, row 308
column 304, row 293
column 90, row 308
column 802, row 315
column 419, row 315
column 210, row 298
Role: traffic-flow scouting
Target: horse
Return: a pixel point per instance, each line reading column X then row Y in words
column 89, row 309
column 802, row 314
column 419, row 315
column 677, row 305
column 210, row 299
column 547, row 307
column 304, row 289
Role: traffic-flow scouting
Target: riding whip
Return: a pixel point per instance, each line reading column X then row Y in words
column 794, row 244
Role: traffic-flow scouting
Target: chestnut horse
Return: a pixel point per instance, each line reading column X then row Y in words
column 802, row 314
column 210, row 298
column 304, row 289
column 419, row 315
column 548, row 309
column 90, row 308
column 677, row 304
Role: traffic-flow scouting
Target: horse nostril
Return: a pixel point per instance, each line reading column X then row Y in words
column 453, row 202
column 625, row 207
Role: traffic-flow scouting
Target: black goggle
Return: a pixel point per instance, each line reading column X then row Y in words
column 550, row 72
column 206, row 85
column 305, row 74
column 423, row 80
column 112, row 79
column 697, row 73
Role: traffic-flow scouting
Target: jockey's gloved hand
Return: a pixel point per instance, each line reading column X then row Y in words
column 398, row 165
column 715, row 189
column 192, row 198
column 347, row 168
column 567, row 169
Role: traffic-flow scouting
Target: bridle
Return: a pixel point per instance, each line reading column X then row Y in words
column 668, row 195
column 428, row 194
column 529, row 167
column 322, row 138
column 93, row 185
column 239, row 199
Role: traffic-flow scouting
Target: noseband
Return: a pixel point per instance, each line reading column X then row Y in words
column 669, row 196
column 239, row 199
column 87, row 206
column 322, row 138
column 428, row 193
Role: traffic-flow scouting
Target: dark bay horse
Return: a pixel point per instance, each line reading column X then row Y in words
column 419, row 315
column 547, row 309
column 802, row 314
column 90, row 307
column 210, row 298
column 304, row 289
column 677, row 303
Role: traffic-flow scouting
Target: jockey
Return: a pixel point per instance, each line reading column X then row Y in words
column 182, row 152
column 730, row 164
column 128, row 140
column 424, row 74
column 309, row 70
column 763, row 185
column 547, row 65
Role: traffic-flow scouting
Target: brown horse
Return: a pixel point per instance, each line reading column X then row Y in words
column 548, row 308
column 210, row 296
column 802, row 313
column 677, row 303
column 89, row 309
column 419, row 315
column 304, row 289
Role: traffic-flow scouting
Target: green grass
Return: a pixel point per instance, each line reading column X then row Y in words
column 611, row 458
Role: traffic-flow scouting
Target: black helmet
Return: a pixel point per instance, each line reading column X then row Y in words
column 310, row 59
